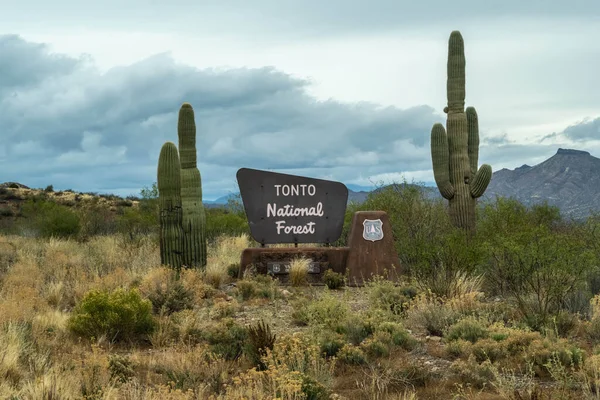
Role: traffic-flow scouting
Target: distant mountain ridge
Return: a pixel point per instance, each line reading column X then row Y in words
column 353, row 196
column 569, row 180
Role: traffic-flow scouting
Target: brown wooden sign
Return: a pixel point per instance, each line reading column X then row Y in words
column 285, row 208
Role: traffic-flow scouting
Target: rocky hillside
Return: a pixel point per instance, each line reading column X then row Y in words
column 570, row 180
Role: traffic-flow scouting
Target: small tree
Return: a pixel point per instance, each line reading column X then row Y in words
column 534, row 257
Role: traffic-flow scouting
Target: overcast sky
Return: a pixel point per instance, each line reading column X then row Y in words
column 343, row 90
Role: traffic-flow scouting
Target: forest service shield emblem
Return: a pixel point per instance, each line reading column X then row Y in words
column 373, row 230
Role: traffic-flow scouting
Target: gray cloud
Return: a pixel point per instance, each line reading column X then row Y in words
column 496, row 140
column 309, row 18
column 66, row 124
column 584, row 130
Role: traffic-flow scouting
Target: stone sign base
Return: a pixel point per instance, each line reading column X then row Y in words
column 370, row 251
column 275, row 261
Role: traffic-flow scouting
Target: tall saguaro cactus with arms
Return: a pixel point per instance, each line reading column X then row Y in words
column 455, row 150
column 182, row 215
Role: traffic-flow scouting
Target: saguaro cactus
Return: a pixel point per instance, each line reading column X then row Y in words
column 193, row 217
column 169, row 199
column 456, row 153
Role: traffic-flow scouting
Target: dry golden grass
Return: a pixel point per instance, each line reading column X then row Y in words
column 226, row 252
column 299, row 271
column 41, row 281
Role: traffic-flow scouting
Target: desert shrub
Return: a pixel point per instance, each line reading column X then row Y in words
column 260, row 338
column 8, row 256
column 49, row 219
column 489, row 349
column 331, row 343
column 473, row 373
column 295, row 370
column 327, row 311
column 543, row 353
column 375, row 347
column 356, row 328
column 518, row 341
column 172, row 297
column 136, row 221
column 313, row 389
column 458, row 349
column 6, row 211
column 386, row 295
column 226, row 338
column 351, row 354
column 233, row 270
column 120, row 368
column 564, row 323
column 333, row 280
column 49, row 189
column 432, row 314
column 469, row 329
column 186, row 326
column 246, row 288
column 120, row 315
column 590, row 376
column 96, row 219
column 220, row 222
column 266, row 287
column 398, row 334
column 593, row 330
column 223, row 308
column 170, row 294
column 300, row 312
column 534, row 257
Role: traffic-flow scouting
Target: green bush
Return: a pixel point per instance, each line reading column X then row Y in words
column 227, row 339
column 467, row 329
column 220, row 221
column 173, row 298
column 120, row 315
column 331, row 343
column 333, row 280
column 313, row 389
column 49, row 219
column 385, row 295
column 353, row 355
column 534, row 257
column 121, row 368
column 136, row 221
column 399, row 335
column 375, row 348
column 96, row 219
column 356, row 329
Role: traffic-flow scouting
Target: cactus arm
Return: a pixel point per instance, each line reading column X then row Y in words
column 194, row 216
column 473, row 146
column 481, row 181
column 441, row 161
column 186, row 130
column 455, row 84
